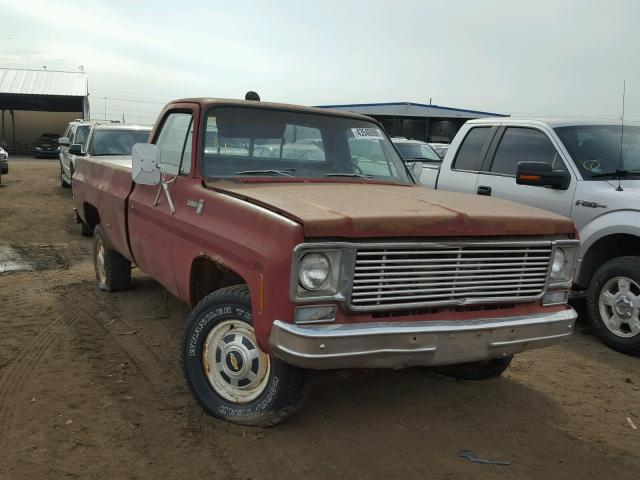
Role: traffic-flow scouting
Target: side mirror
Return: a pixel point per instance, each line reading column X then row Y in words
column 76, row 149
column 145, row 160
column 540, row 174
column 63, row 141
column 416, row 167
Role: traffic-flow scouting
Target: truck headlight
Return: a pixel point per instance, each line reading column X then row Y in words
column 314, row 271
column 563, row 263
column 558, row 264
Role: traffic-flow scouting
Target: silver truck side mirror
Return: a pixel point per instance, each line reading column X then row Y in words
column 145, row 160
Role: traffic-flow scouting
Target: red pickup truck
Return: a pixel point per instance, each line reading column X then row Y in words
column 302, row 242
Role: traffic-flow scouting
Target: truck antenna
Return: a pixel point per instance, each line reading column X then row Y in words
column 624, row 91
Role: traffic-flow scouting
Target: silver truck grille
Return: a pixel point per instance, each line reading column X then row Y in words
column 393, row 276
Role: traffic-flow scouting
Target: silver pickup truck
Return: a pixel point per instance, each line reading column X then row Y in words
column 586, row 170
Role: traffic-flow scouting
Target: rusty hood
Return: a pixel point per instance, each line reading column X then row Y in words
column 347, row 209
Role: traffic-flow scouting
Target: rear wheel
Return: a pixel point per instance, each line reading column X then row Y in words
column 477, row 370
column 113, row 271
column 228, row 374
column 613, row 303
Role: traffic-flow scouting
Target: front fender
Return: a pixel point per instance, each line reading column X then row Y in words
column 618, row 222
column 253, row 242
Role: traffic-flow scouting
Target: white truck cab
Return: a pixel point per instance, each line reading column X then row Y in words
column 586, row 170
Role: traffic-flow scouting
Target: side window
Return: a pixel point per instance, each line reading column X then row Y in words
column 469, row 156
column 81, row 134
column 172, row 139
column 524, row 145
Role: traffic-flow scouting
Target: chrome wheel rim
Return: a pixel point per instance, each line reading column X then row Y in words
column 236, row 368
column 619, row 305
column 100, row 268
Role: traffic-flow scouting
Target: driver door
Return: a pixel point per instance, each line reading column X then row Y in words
column 151, row 220
column 525, row 144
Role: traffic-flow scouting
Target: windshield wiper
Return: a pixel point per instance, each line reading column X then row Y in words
column 268, row 172
column 616, row 174
column 359, row 175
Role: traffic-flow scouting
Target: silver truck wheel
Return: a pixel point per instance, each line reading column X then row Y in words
column 619, row 306
column 228, row 374
column 613, row 304
column 113, row 271
column 236, row 368
column 101, row 272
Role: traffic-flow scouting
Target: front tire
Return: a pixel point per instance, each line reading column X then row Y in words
column 229, row 376
column 113, row 271
column 613, row 304
column 63, row 182
column 484, row 370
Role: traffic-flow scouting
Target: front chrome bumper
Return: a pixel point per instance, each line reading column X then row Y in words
column 398, row 345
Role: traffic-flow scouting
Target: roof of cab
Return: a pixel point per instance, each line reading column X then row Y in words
column 120, row 126
column 226, row 102
column 551, row 122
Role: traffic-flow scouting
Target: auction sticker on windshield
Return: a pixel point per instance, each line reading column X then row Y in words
column 373, row 133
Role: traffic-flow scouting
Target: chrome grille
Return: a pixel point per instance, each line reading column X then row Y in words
column 390, row 276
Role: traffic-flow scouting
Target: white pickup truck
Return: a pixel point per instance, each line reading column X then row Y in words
column 586, row 170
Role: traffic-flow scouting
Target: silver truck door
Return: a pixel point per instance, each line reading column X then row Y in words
column 525, row 144
column 460, row 173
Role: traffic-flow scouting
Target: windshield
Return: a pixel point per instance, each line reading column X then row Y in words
column 117, row 141
column 596, row 148
column 417, row 151
column 258, row 142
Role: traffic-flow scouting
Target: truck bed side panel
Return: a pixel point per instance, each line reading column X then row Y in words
column 106, row 187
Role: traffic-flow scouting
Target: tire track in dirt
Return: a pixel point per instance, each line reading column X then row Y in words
column 20, row 369
column 102, row 310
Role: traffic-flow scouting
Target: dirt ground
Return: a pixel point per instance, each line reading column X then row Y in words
column 90, row 387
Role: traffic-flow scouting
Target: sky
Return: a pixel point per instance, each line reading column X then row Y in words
column 538, row 57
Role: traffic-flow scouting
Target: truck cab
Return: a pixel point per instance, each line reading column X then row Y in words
column 595, row 167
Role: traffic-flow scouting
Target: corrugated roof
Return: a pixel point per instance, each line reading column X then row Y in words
column 411, row 109
column 43, row 82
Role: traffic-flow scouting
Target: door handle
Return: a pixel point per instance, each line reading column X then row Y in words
column 484, row 190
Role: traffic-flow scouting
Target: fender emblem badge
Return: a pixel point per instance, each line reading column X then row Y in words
column 198, row 205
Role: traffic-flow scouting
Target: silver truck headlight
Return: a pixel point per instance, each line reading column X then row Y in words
column 314, row 271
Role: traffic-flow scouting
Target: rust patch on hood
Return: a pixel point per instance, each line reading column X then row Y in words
column 382, row 210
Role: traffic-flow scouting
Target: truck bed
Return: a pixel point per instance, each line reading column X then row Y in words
column 105, row 184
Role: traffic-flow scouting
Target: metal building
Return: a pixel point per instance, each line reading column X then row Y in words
column 33, row 102
column 431, row 123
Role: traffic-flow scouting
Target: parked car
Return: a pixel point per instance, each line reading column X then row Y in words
column 106, row 140
column 47, row 146
column 294, row 261
column 76, row 133
column 412, row 150
column 577, row 168
column 4, row 161
column 440, row 148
